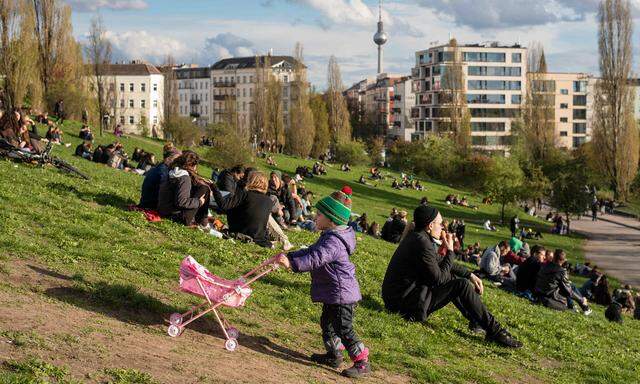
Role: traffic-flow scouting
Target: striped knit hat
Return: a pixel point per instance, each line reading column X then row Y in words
column 337, row 207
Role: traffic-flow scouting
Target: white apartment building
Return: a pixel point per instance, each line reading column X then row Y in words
column 135, row 91
column 404, row 100
column 494, row 82
column 194, row 93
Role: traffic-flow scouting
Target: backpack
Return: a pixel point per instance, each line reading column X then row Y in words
column 614, row 312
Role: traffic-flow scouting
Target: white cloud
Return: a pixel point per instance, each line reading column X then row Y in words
column 117, row 5
column 144, row 45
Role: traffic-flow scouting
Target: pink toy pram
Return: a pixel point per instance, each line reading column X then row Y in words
column 197, row 280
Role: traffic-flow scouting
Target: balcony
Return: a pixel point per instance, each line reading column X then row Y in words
column 194, row 102
column 194, row 114
column 415, row 113
column 218, row 111
column 223, row 97
column 397, row 124
column 222, row 84
column 380, row 98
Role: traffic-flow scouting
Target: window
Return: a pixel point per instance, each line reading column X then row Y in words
column 206, row 109
column 495, row 112
column 564, row 91
column 494, row 85
column 251, row 78
column 564, row 119
column 578, row 141
column 155, row 119
column 131, row 120
column 485, row 99
column 181, row 110
column 579, row 114
column 131, row 87
column 143, row 87
column 155, row 103
column 250, row 92
column 487, row 127
column 564, row 106
column 121, row 103
column 516, row 57
column 155, row 86
column 143, row 103
column 516, row 99
column 244, row 106
column 494, row 71
column 121, row 119
column 490, row 140
column 579, row 128
column 544, row 86
column 121, row 87
column 563, row 134
column 206, row 97
column 488, row 57
column 579, row 86
column 580, row 100
column 286, row 79
column 445, row 56
column 244, row 79
column 244, row 92
column 130, row 103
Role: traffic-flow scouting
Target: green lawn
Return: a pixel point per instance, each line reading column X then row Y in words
column 120, row 260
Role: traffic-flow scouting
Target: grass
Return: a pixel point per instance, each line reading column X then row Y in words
column 124, row 266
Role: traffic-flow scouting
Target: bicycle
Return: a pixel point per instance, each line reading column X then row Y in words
column 10, row 151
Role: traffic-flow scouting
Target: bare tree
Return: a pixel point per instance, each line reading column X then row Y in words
column 538, row 113
column 321, row 123
column 457, row 118
column 339, row 123
column 615, row 133
column 302, row 130
column 17, row 48
column 170, row 101
column 275, row 113
column 98, row 52
column 259, row 108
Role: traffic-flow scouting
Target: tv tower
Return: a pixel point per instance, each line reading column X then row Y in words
column 381, row 37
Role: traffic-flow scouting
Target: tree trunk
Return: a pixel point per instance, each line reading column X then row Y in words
column 568, row 222
column 502, row 214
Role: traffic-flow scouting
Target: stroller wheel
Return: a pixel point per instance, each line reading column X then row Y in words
column 231, row 345
column 175, row 319
column 174, row 330
column 233, row 332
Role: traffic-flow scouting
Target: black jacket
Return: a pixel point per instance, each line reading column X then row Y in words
column 416, row 266
column 553, row 283
column 174, row 195
column 284, row 197
column 247, row 213
column 392, row 230
column 226, row 181
column 527, row 273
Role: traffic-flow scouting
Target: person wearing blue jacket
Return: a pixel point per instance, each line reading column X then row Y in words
column 333, row 283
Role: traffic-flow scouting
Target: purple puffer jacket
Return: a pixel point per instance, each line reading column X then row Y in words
column 333, row 276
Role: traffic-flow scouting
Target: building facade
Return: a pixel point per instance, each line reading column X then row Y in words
column 135, row 94
column 194, row 93
column 404, row 100
column 494, row 84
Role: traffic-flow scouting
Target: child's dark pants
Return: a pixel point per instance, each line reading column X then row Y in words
column 337, row 330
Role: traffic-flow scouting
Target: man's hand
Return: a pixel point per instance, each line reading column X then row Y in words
column 283, row 260
column 202, row 200
column 447, row 239
column 477, row 283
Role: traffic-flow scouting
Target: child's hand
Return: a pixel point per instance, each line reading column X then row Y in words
column 283, row 260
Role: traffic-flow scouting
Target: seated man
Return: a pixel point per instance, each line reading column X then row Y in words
column 512, row 257
column 392, row 230
column 553, row 287
column 527, row 272
column 418, row 282
column 229, row 178
column 84, row 150
column 490, row 264
column 487, row 225
column 154, row 178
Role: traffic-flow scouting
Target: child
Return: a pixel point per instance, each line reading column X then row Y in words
column 333, row 283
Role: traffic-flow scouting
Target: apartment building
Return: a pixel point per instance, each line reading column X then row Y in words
column 404, row 100
column 194, row 93
column 494, row 84
column 135, row 93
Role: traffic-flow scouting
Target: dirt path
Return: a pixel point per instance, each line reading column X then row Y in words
column 44, row 316
column 614, row 245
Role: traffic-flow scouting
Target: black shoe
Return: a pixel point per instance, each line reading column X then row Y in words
column 475, row 328
column 504, row 339
column 329, row 359
column 359, row 369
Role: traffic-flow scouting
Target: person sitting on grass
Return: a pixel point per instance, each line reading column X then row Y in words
column 487, row 226
column 491, row 266
column 528, row 271
column 84, row 150
column 374, row 230
column 147, row 161
column 395, row 184
column 553, row 288
column 117, row 131
column 183, row 198
column 85, row 133
column 229, row 178
column 334, row 284
column 154, row 178
column 345, row 167
column 419, row 282
column 392, row 230
column 513, row 257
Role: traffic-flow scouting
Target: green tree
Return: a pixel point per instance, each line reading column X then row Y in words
column 570, row 195
column 321, row 122
column 181, row 130
column 505, row 183
column 301, row 130
column 230, row 147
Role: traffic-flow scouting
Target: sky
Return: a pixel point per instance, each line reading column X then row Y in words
column 204, row 31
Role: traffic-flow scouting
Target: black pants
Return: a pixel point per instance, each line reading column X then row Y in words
column 337, row 329
column 196, row 215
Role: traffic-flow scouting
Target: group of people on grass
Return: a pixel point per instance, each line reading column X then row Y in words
column 19, row 130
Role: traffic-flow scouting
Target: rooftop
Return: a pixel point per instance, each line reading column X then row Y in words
column 129, row 69
column 250, row 62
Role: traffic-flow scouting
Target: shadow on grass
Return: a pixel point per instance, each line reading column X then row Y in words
column 101, row 198
column 278, row 282
column 127, row 304
column 371, row 303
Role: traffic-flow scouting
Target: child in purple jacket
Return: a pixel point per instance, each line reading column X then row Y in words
column 333, row 283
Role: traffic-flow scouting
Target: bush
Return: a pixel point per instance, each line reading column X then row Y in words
column 230, row 148
column 433, row 157
column 182, row 131
column 352, row 152
column 475, row 170
column 375, row 147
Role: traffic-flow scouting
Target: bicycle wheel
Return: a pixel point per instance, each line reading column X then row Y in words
column 68, row 168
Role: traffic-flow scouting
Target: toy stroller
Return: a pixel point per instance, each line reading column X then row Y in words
column 197, row 280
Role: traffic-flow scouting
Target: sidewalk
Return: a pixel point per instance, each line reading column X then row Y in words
column 613, row 245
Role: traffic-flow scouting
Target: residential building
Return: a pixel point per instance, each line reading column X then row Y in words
column 355, row 97
column 572, row 101
column 379, row 103
column 494, row 84
column 135, row 93
column 404, row 100
column 194, row 93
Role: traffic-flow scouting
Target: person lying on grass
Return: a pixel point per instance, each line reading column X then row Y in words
column 418, row 281
column 333, row 283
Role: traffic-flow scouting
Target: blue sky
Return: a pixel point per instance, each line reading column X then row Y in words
column 203, row 31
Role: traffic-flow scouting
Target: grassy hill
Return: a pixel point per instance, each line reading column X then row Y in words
column 121, row 266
